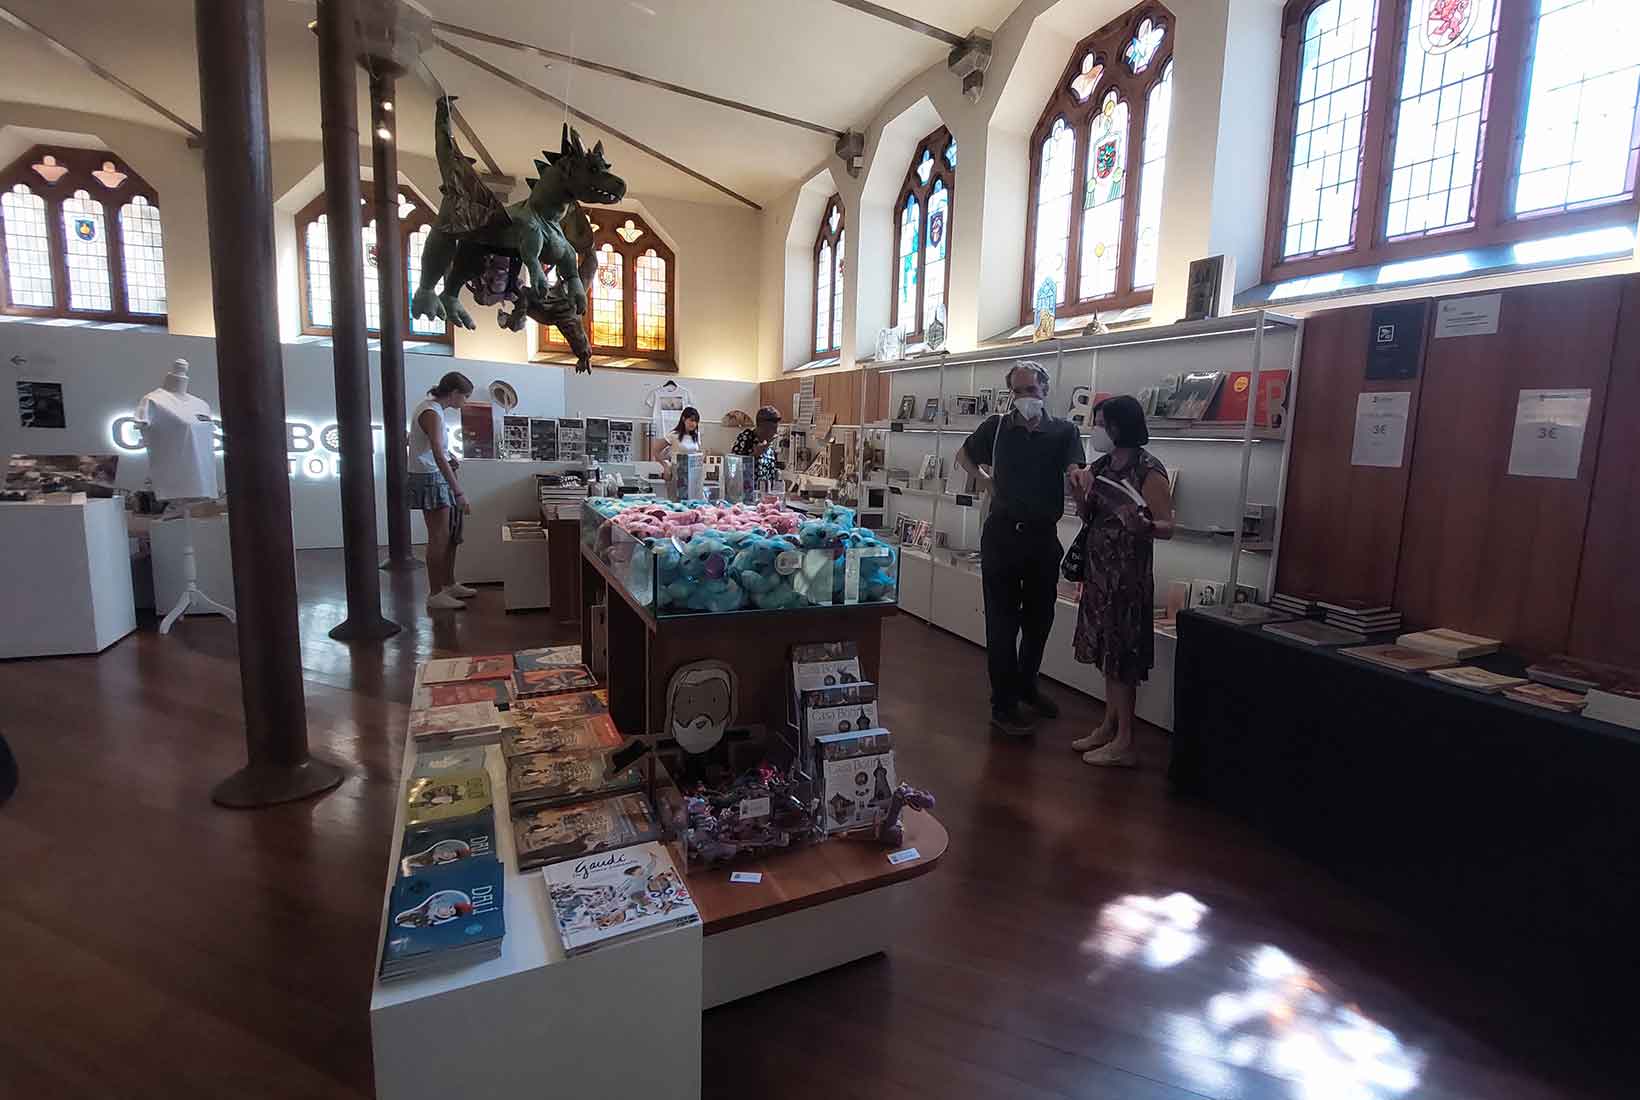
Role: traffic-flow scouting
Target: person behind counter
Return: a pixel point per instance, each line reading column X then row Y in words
column 759, row 441
column 433, row 490
column 683, row 439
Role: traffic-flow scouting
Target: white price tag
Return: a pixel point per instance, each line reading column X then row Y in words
column 1548, row 439
column 752, row 877
column 904, row 855
column 754, row 807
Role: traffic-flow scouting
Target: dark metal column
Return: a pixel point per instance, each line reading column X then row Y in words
column 239, row 207
column 384, row 161
column 339, row 117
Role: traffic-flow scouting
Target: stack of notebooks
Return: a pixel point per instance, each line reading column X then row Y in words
column 1450, row 643
column 1361, row 616
column 1608, row 693
column 610, row 897
column 1302, row 606
column 560, row 495
column 846, row 750
column 520, row 530
column 446, row 907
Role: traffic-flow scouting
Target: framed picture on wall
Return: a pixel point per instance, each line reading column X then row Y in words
column 908, row 407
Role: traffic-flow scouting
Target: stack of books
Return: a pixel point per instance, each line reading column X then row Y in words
column 534, row 683
column 1568, row 673
column 1302, row 606
column 1610, row 694
column 519, row 530
column 1361, row 616
column 457, row 724
column 601, row 899
column 1550, row 698
column 1400, row 658
column 446, row 907
column 449, row 670
column 1450, row 643
column 1476, row 679
column 561, row 495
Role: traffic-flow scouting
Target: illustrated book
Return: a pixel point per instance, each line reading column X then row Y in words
column 557, row 656
column 546, row 778
column 461, row 691
column 601, row 899
column 523, row 733
column 1195, row 395
column 855, row 791
column 581, row 704
column 536, row 682
column 449, row 669
column 456, row 721
column 1550, row 698
column 449, row 916
column 1310, row 632
column 839, row 709
column 447, row 785
column 567, row 832
column 443, row 843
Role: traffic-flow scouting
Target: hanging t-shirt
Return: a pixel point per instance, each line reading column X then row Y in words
column 666, row 403
column 181, row 442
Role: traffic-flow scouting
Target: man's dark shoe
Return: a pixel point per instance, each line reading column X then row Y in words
column 1043, row 706
column 1011, row 720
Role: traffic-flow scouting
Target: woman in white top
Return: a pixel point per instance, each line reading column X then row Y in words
column 683, row 439
column 433, row 490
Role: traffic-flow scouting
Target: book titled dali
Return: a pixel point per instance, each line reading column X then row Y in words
column 581, row 704
column 453, row 722
column 558, row 656
column 550, row 778
column 448, row 785
column 601, row 899
column 523, row 734
column 446, row 842
column 537, row 682
column 444, row 917
column 567, row 832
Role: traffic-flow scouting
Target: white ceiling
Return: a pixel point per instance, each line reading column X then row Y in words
column 811, row 59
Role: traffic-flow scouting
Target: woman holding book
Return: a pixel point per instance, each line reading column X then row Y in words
column 1125, row 506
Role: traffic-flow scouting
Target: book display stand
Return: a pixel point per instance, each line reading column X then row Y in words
column 1230, row 473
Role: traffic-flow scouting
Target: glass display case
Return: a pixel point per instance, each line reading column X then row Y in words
column 697, row 558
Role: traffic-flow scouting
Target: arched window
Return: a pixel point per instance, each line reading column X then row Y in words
column 630, row 301
column 313, row 272
column 81, row 238
column 1098, row 156
column 922, row 233
column 830, row 245
column 1407, row 127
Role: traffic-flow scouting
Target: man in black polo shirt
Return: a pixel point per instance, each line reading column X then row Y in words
column 1021, row 458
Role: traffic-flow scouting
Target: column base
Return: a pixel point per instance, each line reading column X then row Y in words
column 372, row 629
column 270, row 784
column 409, row 564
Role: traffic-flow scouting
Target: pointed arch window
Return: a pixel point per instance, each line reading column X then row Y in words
column 1098, row 161
column 314, row 269
column 630, row 301
column 80, row 237
column 830, row 246
column 1409, row 127
column 922, row 233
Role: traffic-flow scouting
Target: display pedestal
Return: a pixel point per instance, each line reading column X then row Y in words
column 65, row 578
column 645, row 649
column 563, row 566
column 185, row 553
column 524, row 573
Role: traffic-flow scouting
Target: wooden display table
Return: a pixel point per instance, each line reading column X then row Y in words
column 645, row 649
column 563, row 565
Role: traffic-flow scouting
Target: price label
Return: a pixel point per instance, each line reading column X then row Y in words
column 751, row 878
column 754, row 807
column 1380, row 429
column 1548, row 438
column 904, row 855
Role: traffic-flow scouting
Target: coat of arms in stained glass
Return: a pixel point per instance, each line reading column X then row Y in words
column 1446, row 23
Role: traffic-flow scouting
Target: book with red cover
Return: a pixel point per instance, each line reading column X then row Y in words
column 522, row 734
column 496, row 667
column 582, row 704
column 535, row 682
column 1271, row 409
column 462, row 691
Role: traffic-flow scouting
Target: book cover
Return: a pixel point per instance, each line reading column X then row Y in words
column 1476, row 679
column 1207, row 593
column 844, row 746
column 908, row 407
column 447, row 785
column 855, row 791
column 557, row 656
column 1550, row 698
column 536, row 682
column 496, row 667
column 445, row 670
column 601, row 898
column 1400, row 657
column 839, row 709
column 1270, row 408
column 565, row 777
column 1576, row 675
column 825, row 664
column 1195, row 395
column 1453, row 643
column 461, row 691
column 567, row 832
column 522, row 735
column 445, row 910
column 581, row 704
column 454, row 721
column 443, row 843
column 1310, row 632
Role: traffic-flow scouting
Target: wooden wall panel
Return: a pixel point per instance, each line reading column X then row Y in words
column 1606, row 615
column 1480, row 550
column 836, row 391
column 778, row 393
column 1342, row 527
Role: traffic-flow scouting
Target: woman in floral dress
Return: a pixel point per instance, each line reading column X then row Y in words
column 1127, row 507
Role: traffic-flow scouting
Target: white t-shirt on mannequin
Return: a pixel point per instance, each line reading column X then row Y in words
column 181, row 442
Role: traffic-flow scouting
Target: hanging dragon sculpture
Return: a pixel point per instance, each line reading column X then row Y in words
column 484, row 245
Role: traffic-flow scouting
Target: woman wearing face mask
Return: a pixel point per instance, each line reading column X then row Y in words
column 1125, row 501
column 683, row 439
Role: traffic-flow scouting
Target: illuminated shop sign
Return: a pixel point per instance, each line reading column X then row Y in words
column 312, row 450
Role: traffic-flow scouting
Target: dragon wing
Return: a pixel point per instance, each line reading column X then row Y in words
column 467, row 206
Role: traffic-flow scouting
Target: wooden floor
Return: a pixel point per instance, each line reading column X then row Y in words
column 1087, row 935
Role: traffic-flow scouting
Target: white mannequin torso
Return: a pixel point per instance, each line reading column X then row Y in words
column 181, row 440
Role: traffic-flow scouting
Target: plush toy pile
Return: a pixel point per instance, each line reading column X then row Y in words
column 725, row 557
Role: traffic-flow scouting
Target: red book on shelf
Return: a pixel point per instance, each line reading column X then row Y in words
column 1231, row 404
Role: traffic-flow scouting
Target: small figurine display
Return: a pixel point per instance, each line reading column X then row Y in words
column 759, row 812
column 890, row 830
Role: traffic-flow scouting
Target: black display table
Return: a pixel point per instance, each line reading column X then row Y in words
column 1509, row 829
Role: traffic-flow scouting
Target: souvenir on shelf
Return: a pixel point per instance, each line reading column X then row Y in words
column 446, row 842
column 1399, row 657
column 1476, row 679
column 536, row 682
column 600, row 899
column 443, row 917
column 449, row 693
column 558, row 656
column 566, row 832
column 446, row 785
column 581, row 704
column 763, row 810
column 551, row 778
column 458, row 722
column 523, row 733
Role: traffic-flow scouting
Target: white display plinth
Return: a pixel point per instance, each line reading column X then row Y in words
column 524, row 573
column 213, row 562
column 533, row 1022
column 65, row 577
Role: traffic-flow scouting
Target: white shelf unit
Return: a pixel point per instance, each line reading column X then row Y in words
column 1222, row 467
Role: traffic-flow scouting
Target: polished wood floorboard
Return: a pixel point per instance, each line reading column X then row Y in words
column 154, row 945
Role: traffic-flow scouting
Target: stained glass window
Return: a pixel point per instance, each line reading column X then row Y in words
column 317, row 241
column 1440, row 116
column 372, row 286
column 414, row 246
column 939, row 231
column 651, row 305
column 1098, row 156
column 951, row 154
column 1580, row 143
column 909, row 259
column 608, row 301
column 829, row 249
column 837, row 290
column 28, row 248
column 1158, row 114
column 925, row 166
column 144, row 251
column 1331, row 107
column 822, row 301
column 1053, row 208
column 85, row 251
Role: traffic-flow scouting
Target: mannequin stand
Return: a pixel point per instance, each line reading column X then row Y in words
column 191, row 596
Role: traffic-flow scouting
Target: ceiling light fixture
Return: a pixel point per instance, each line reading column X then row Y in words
column 384, row 133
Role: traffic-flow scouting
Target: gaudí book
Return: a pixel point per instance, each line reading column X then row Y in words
column 599, row 899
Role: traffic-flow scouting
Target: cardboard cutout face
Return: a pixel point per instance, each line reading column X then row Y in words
column 701, row 704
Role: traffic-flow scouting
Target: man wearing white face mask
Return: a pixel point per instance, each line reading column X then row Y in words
column 1020, row 458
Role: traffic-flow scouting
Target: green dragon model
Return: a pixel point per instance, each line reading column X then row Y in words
column 482, row 244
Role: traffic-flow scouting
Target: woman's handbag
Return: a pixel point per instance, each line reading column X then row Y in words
column 1074, row 564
